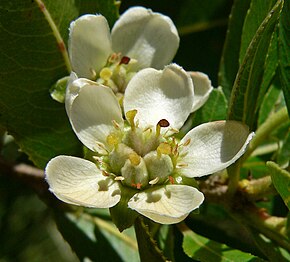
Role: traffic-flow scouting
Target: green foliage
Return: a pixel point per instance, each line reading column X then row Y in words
column 243, row 102
column 281, row 181
column 203, row 249
column 253, row 76
column 284, row 51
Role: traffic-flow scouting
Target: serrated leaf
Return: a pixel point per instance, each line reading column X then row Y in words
column 284, row 51
column 230, row 58
column 33, row 57
column 203, row 249
column 243, row 102
column 98, row 241
column 281, row 181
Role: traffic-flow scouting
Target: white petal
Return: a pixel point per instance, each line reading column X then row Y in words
column 150, row 38
column 73, row 87
column 167, row 205
column 92, row 114
column 79, row 182
column 166, row 94
column 202, row 89
column 213, row 146
column 89, row 44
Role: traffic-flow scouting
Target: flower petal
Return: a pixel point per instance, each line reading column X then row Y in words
column 89, row 45
column 141, row 34
column 202, row 89
column 78, row 181
column 213, row 146
column 92, row 114
column 156, row 95
column 167, row 205
column 73, row 87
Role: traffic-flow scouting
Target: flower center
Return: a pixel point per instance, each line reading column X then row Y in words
column 117, row 72
column 141, row 158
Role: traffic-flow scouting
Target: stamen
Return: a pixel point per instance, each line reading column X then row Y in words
column 187, row 142
column 130, row 115
column 116, row 125
column 119, row 178
column 125, row 60
column 154, row 181
column 134, row 159
column 161, row 123
column 104, row 173
column 171, row 180
column 181, row 165
column 163, row 148
column 94, row 73
column 112, row 139
column 106, row 73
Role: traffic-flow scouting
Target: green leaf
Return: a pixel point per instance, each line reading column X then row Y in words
column 281, row 181
column 269, row 101
column 214, row 109
column 148, row 249
column 108, row 8
column 33, row 57
column 230, row 58
column 257, row 12
column 284, row 51
column 203, row 249
column 96, row 239
column 243, row 102
column 283, row 157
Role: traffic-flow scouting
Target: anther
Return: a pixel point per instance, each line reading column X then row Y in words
column 161, row 123
column 119, row 178
column 134, row 159
column 154, row 181
column 130, row 115
column 125, row 60
column 171, row 180
column 106, row 73
column 163, row 148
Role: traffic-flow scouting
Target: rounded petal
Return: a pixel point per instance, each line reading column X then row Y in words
column 89, row 45
column 73, row 87
column 213, row 146
column 79, row 182
column 156, row 95
column 150, row 38
column 202, row 89
column 92, row 115
column 167, row 205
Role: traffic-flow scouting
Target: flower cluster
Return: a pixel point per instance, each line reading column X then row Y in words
column 135, row 154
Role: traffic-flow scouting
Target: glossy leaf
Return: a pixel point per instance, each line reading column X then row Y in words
column 243, row 102
column 230, row 58
column 98, row 241
column 281, row 181
column 214, row 109
column 284, row 51
column 203, row 249
column 33, row 57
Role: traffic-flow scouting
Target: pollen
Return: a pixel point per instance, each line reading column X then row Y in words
column 106, row 73
column 134, row 159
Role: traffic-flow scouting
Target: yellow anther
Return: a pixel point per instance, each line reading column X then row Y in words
column 164, row 148
column 106, row 73
column 119, row 178
column 187, row 142
column 135, row 159
column 112, row 139
column 130, row 115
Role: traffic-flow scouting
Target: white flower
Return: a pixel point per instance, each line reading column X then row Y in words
column 141, row 153
column 137, row 40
